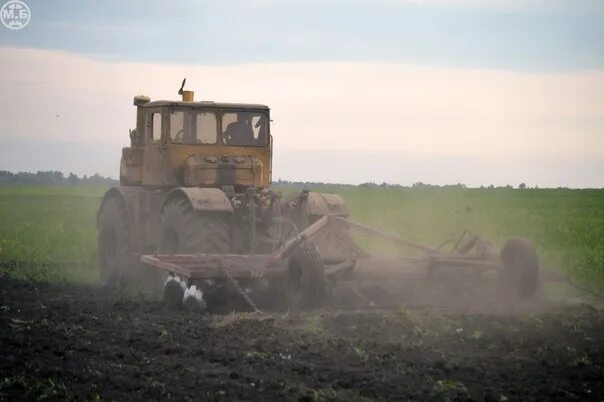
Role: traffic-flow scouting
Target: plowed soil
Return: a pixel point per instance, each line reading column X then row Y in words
column 84, row 343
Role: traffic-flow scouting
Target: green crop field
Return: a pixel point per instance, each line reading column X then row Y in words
column 49, row 233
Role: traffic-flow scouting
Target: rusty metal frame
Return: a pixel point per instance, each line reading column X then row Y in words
column 253, row 266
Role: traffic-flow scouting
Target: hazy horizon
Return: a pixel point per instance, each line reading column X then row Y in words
column 307, row 165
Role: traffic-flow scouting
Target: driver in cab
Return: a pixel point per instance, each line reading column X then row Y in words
column 240, row 132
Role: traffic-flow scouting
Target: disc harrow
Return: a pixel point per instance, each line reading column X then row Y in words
column 311, row 268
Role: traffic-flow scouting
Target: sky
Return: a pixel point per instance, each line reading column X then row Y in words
column 439, row 91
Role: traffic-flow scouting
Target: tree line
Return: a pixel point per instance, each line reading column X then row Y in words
column 53, row 177
column 417, row 185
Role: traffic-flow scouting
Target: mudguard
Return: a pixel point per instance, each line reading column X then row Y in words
column 334, row 243
column 128, row 196
column 203, row 199
column 321, row 204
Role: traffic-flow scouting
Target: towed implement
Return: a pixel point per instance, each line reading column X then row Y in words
column 194, row 215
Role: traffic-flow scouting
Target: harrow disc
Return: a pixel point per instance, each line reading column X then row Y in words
column 305, row 283
column 174, row 290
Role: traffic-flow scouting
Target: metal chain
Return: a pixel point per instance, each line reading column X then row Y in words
column 241, row 292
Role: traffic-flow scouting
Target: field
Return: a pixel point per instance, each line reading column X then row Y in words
column 67, row 342
column 49, row 233
column 64, row 338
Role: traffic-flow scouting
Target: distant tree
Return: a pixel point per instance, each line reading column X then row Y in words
column 6, row 176
column 522, row 186
column 72, row 179
column 95, row 179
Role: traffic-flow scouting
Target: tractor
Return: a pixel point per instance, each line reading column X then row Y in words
column 195, row 217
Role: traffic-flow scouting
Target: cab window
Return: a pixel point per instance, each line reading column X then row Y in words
column 245, row 128
column 156, row 123
column 177, row 126
column 193, row 127
column 206, row 127
column 152, row 128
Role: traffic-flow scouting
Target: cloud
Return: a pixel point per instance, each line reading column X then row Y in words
column 527, row 35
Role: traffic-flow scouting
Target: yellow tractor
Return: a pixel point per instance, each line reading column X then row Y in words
column 195, row 209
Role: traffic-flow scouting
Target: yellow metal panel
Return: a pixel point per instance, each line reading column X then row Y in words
column 176, row 155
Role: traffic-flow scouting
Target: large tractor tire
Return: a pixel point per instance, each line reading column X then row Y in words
column 185, row 231
column 114, row 254
column 520, row 273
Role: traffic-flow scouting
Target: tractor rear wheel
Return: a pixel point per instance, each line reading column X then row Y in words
column 114, row 256
column 185, row 231
column 520, row 272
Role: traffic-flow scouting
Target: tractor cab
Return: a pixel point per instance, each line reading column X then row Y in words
column 198, row 144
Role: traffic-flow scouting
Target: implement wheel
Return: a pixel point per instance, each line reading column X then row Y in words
column 519, row 275
column 305, row 283
column 114, row 256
